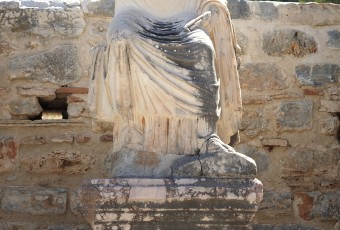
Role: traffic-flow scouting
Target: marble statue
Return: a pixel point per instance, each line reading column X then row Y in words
column 167, row 80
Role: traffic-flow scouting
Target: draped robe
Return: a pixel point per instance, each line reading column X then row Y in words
column 164, row 88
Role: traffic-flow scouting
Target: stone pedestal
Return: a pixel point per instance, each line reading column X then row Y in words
column 140, row 203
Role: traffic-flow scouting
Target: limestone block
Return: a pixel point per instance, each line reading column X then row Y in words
column 34, row 200
column 312, row 205
column 59, row 65
column 180, row 203
column 307, row 161
column 288, row 41
column 274, row 142
column 261, row 156
column 25, row 107
column 42, row 18
column 295, row 115
column 37, row 91
column 265, row 10
column 318, row 75
column 329, row 106
column 103, row 8
column 330, row 126
column 58, row 162
column 333, row 39
column 7, row 48
column 253, row 122
column 239, row 9
column 8, row 154
column 75, row 110
column 312, row 14
column 69, row 22
column 261, row 76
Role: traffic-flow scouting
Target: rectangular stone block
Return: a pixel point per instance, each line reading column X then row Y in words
column 329, row 106
column 72, row 90
column 34, row 201
column 310, row 14
column 139, row 202
column 36, row 91
column 65, row 162
column 295, row 115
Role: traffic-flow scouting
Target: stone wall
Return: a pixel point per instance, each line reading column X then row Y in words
column 290, row 77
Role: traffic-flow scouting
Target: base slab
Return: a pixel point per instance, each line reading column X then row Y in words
column 195, row 203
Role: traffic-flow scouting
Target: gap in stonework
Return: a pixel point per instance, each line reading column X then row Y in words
column 55, row 109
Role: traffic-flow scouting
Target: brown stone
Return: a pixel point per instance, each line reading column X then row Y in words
column 59, row 162
column 313, row 92
column 8, row 154
column 286, row 95
column 8, row 147
column 330, row 106
column 82, row 139
column 106, row 138
column 74, row 99
column 274, row 142
column 261, row 76
column 303, row 204
column 307, row 162
column 72, row 90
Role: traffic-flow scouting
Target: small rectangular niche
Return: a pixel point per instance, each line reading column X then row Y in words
column 53, row 109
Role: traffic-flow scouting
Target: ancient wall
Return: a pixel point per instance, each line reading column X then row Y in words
column 290, row 77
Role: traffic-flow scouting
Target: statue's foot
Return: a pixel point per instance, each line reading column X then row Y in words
column 216, row 160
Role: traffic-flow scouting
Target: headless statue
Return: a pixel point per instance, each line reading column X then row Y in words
column 167, row 80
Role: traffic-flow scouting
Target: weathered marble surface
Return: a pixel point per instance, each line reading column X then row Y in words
column 167, row 79
column 197, row 203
